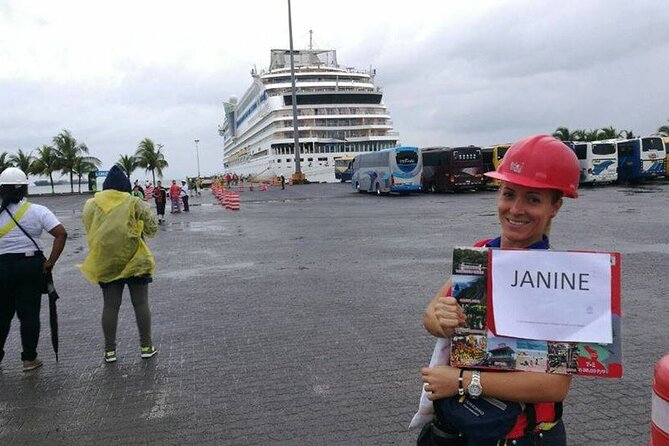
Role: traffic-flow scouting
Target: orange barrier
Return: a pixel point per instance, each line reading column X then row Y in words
column 233, row 201
column 659, row 426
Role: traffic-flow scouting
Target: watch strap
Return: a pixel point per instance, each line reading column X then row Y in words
column 461, row 387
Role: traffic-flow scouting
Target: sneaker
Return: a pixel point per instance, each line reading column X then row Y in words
column 110, row 356
column 147, row 352
column 32, row 365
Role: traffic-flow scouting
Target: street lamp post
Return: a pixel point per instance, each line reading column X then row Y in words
column 298, row 177
column 197, row 154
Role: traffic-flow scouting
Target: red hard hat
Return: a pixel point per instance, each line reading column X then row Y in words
column 541, row 162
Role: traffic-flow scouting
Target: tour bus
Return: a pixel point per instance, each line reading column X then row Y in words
column 666, row 160
column 598, row 161
column 342, row 168
column 399, row 169
column 452, row 169
column 640, row 158
column 492, row 158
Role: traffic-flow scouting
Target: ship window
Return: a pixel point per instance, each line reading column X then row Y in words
column 278, row 161
column 310, row 159
column 287, row 160
column 322, row 159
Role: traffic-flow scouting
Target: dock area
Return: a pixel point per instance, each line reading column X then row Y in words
column 298, row 320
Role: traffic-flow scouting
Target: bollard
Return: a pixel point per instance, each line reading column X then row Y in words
column 659, row 426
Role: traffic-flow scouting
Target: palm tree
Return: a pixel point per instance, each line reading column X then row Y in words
column 68, row 151
column 127, row 163
column 626, row 134
column 563, row 134
column 23, row 161
column 591, row 135
column 46, row 163
column 579, row 135
column 4, row 162
column 151, row 158
column 608, row 133
column 84, row 165
column 664, row 130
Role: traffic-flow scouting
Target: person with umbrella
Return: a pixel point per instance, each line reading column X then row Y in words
column 23, row 266
column 116, row 223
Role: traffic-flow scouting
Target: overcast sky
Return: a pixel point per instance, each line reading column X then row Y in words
column 452, row 72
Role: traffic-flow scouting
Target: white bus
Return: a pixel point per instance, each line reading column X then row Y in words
column 399, row 169
column 598, row 161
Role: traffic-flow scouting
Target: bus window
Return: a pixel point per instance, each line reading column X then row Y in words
column 501, row 151
column 603, row 149
column 581, row 151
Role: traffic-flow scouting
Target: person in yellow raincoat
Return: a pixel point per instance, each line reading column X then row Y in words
column 116, row 223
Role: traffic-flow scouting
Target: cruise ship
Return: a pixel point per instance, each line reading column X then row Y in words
column 340, row 113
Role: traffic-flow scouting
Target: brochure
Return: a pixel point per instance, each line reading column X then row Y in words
column 476, row 346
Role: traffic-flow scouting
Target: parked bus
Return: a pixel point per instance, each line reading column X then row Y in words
column 598, row 161
column 452, row 169
column 492, row 158
column 399, row 169
column 342, row 168
column 641, row 158
column 666, row 160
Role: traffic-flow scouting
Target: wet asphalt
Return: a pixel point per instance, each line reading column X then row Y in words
column 297, row 320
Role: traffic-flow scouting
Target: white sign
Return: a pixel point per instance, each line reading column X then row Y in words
column 552, row 295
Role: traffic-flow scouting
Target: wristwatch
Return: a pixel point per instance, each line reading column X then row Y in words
column 474, row 388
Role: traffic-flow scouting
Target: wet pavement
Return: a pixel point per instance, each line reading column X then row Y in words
column 297, row 320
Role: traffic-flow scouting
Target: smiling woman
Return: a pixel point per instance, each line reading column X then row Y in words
column 535, row 174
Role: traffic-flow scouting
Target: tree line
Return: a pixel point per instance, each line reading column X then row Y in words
column 71, row 157
column 564, row 134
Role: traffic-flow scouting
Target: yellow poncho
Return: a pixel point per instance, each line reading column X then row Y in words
column 115, row 222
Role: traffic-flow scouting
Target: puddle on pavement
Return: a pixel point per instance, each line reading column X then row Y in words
column 635, row 248
column 214, row 270
column 193, row 226
column 642, row 190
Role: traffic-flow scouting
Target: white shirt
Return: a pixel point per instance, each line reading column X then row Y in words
column 184, row 190
column 37, row 218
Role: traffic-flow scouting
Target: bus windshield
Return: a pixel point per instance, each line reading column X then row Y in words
column 501, row 151
column 406, row 160
column 603, row 149
column 581, row 151
column 651, row 144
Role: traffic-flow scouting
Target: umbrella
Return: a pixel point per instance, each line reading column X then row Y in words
column 53, row 313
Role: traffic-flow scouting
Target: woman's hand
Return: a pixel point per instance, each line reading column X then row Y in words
column 47, row 266
column 449, row 314
column 440, row 381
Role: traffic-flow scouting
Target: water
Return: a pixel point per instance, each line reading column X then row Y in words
column 61, row 188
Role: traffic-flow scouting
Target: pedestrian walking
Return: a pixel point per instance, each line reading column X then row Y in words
column 23, row 267
column 175, row 197
column 184, row 195
column 283, row 182
column 536, row 173
column 198, row 186
column 160, row 198
column 116, row 224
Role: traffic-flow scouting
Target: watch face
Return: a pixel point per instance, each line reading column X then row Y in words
column 474, row 390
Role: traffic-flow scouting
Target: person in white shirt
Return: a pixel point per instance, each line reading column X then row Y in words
column 184, row 195
column 23, row 266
